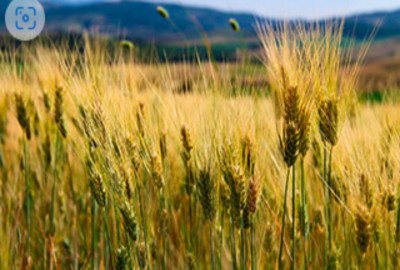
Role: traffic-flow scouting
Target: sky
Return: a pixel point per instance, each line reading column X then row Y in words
column 309, row 9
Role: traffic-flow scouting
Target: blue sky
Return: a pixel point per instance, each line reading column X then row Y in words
column 291, row 8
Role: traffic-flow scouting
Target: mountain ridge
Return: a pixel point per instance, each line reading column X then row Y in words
column 139, row 20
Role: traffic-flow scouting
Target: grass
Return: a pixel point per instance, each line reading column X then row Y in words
column 105, row 164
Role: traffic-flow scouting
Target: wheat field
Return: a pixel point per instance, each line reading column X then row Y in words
column 110, row 163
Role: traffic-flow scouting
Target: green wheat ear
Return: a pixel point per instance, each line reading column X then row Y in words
column 126, row 44
column 163, row 12
column 122, row 259
column 58, row 110
column 22, row 115
column 96, row 184
column 129, row 220
column 234, row 25
column 206, row 194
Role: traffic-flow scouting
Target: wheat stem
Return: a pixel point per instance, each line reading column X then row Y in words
column 143, row 220
column 283, row 222
column 194, row 225
column 345, row 260
column 108, row 244
column 165, row 254
column 94, row 215
column 376, row 256
column 212, row 245
column 303, row 202
column 221, row 238
column 163, row 208
column 233, row 242
column 330, row 199
column 242, row 244
column 294, row 216
column 190, row 223
column 253, row 244
column 28, row 214
column 53, row 194
column 327, row 212
column 117, row 226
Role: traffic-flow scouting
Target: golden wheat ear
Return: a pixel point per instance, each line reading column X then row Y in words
column 328, row 112
column 156, row 171
column 251, row 202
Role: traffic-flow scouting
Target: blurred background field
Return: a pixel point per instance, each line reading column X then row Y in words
column 190, row 26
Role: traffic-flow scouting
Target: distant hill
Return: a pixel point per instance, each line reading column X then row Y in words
column 140, row 21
